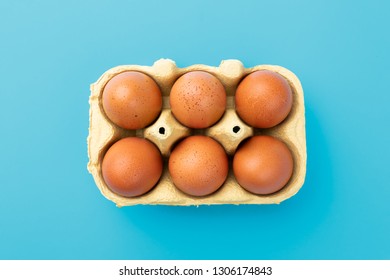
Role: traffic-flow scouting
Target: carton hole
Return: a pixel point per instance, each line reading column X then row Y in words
column 161, row 130
column 236, row 129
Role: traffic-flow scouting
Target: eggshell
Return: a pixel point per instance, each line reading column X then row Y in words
column 166, row 132
column 198, row 99
column 263, row 164
column 132, row 100
column 132, row 166
column 263, row 99
column 198, row 165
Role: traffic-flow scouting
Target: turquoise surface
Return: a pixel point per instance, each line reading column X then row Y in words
column 51, row 51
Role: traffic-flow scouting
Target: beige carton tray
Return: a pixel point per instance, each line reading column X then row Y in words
column 166, row 130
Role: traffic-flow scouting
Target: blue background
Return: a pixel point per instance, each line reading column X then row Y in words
column 50, row 52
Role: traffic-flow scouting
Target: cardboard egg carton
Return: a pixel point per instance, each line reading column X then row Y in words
column 229, row 131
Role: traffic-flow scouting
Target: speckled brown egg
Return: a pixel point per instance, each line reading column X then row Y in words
column 198, row 99
column 263, row 165
column 198, row 165
column 263, row 99
column 132, row 100
column 132, row 166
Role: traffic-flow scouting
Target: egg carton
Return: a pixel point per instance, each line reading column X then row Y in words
column 229, row 131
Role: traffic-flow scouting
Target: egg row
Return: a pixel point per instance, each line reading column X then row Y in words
column 133, row 100
column 198, row 165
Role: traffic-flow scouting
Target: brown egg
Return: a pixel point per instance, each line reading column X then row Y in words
column 132, row 166
column 198, row 165
column 263, row 165
column 198, row 99
column 263, row 99
column 132, row 100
